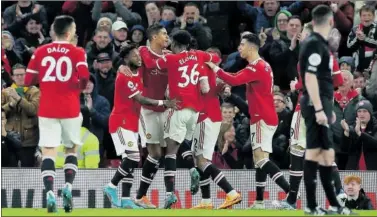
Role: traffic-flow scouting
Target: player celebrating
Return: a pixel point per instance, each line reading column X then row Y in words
column 124, row 124
column 298, row 136
column 183, row 80
column 316, row 106
column 204, row 141
column 263, row 121
column 152, row 118
column 62, row 72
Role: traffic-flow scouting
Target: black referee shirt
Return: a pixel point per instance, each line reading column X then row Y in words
column 315, row 58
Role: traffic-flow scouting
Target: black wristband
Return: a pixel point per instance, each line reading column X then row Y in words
column 319, row 110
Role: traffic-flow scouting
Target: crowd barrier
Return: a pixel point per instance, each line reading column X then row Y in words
column 24, row 188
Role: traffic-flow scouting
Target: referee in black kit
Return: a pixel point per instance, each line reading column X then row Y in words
column 316, row 108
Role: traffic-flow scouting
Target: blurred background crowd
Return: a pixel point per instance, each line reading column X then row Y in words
column 104, row 27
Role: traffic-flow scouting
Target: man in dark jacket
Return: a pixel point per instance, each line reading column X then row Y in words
column 192, row 22
column 360, row 140
column 101, row 44
column 356, row 197
column 97, row 108
column 345, row 102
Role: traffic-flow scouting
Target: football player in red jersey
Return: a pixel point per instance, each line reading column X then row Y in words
column 298, row 136
column 152, row 118
column 183, row 78
column 258, row 78
column 62, row 72
column 204, row 140
column 124, row 124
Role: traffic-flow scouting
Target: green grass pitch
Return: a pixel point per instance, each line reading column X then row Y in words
column 160, row 212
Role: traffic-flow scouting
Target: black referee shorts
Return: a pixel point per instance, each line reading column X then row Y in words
column 317, row 136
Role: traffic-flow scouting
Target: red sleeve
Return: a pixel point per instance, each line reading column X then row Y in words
column 298, row 85
column 82, row 68
column 337, row 74
column 209, row 56
column 32, row 71
column 244, row 76
column 203, row 73
column 146, row 56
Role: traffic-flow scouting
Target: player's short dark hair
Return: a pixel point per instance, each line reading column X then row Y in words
column 214, row 50
column 182, row 37
column 321, row 14
column 18, row 66
column 294, row 17
column 62, row 24
column 127, row 50
column 252, row 38
column 154, row 30
column 191, row 4
column 309, row 26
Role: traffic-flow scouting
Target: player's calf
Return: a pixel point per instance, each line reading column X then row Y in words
column 296, row 172
column 48, row 175
column 186, row 153
column 149, row 170
column 70, row 169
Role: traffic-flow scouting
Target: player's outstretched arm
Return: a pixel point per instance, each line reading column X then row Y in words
column 152, row 102
column 241, row 77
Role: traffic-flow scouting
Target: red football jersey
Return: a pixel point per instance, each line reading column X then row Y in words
column 184, row 77
column 62, row 71
column 126, row 110
column 211, row 102
column 336, row 75
column 258, row 78
column 155, row 81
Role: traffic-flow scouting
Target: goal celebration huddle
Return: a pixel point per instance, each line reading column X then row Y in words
column 167, row 96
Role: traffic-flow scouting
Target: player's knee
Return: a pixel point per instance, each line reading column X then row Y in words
column 201, row 161
column 313, row 154
column 50, row 151
column 259, row 154
column 261, row 162
column 72, row 150
column 297, row 150
column 327, row 158
column 154, row 150
column 134, row 156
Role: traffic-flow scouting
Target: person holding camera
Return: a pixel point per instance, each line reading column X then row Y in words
column 20, row 105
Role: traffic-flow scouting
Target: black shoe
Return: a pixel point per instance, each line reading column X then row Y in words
column 340, row 211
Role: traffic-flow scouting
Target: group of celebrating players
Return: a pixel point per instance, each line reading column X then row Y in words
column 170, row 98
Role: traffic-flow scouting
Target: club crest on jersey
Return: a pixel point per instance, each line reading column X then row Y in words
column 149, row 136
column 132, row 86
column 130, row 144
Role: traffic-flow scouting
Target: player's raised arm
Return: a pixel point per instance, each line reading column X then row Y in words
column 32, row 71
column 244, row 76
column 204, row 84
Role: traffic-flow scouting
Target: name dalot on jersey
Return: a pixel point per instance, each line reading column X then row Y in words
column 57, row 49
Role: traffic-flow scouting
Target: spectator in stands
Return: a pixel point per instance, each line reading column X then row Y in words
column 119, row 31
column 356, row 197
column 21, row 105
column 283, row 53
column 88, row 156
column 21, row 12
column 97, row 108
column 362, row 38
column 168, row 18
column 105, row 23
column 10, row 144
column 30, row 39
column 263, row 16
column 226, row 154
column 195, row 24
column 280, row 141
column 121, row 10
column 228, row 112
column 81, row 11
column 9, row 54
column 138, row 35
column 343, row 17
column 360, row 139
column 101, row 44
column 153, row 13
column 347, row 63
column 345, row 102
column 371, row 88
column 359, row 82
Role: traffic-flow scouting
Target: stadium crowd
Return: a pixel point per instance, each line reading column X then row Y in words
column 104, row 27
